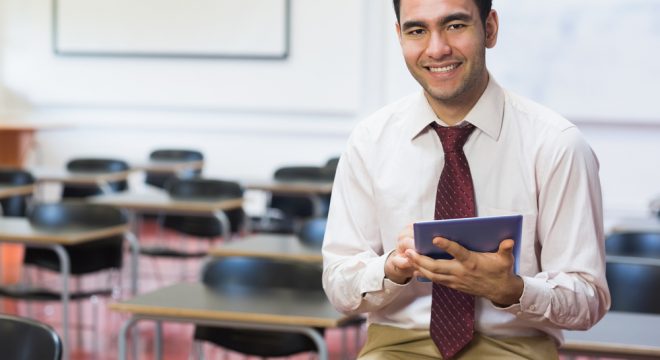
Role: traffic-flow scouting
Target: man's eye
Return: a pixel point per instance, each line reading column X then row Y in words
column 416, row 32
column 455, row 26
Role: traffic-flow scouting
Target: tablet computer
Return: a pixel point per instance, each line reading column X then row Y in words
column 482, row 234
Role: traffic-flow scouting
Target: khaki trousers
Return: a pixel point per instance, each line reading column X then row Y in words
column 392, row 343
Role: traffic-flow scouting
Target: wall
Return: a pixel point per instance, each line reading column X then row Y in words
column 345, row 63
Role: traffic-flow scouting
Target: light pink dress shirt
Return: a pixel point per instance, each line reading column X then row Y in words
column 524, row 159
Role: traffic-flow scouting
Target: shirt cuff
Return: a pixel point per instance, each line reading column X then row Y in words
column 375, row 287
column 534, row 300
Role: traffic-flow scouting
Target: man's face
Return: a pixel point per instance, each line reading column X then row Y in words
column 444, row 45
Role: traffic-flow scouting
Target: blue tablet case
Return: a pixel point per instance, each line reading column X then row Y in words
column 482, row 234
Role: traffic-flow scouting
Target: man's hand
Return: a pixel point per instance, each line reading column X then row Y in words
column 489, row 275
column 398, row 267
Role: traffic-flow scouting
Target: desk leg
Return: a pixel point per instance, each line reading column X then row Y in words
column 122, row 337
column 65, row 272
column 135, row 253
column 158, row 343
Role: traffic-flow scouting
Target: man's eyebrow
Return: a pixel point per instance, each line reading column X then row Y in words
column 459, row 16
column 412, row 24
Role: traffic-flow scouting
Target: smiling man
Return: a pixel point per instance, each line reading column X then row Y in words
column 464, row 147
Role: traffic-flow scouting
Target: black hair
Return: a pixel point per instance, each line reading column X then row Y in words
column 483, row 5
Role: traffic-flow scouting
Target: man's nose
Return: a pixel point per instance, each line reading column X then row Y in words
column 438, row 46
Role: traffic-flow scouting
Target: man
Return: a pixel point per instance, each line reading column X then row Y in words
column 513, row 157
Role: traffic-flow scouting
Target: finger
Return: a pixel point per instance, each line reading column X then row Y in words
column 404, row 244
column 506, row 248
column 453, row 248
column 432, row 265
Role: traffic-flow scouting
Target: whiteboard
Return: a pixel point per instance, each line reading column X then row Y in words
column 172, row 28
column 588, row 59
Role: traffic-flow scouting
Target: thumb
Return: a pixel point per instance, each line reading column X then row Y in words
column 506, row 248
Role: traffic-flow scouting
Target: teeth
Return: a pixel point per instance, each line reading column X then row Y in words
column 443, row 69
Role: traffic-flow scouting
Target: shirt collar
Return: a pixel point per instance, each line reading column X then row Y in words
column 487, row 114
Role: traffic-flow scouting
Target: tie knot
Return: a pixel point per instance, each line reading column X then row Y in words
column 453, row 138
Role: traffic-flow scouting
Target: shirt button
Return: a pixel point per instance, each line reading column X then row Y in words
column 532, row 307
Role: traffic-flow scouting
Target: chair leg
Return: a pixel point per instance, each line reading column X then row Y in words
column 79, row 315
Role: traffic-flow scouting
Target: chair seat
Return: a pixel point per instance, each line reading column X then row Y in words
column 257, row 342
column 163, row 251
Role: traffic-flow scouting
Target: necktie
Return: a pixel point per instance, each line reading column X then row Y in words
column 452, row 311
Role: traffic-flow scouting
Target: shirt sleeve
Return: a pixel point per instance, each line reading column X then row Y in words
column 353, row 257
column 571, row 291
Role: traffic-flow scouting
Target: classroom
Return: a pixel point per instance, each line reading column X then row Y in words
column 146, row 146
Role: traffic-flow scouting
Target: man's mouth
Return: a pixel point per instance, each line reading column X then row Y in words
column 443, row 69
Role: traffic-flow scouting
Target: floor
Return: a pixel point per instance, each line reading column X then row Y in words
column 89, row 342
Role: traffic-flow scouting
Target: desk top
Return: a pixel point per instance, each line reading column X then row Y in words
column 162, row 166
column 277, row 246
column 78, row 178
column 646, row 224
column 156, row 200
column 290, row 187
column 620, row 333
column 190, row 301
column 19, row 230
column 13, row 190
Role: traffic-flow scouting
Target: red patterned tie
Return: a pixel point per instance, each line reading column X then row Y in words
column 452, row 311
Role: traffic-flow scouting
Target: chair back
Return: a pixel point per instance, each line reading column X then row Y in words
column 199, row 189
column 634, row 286
column 94, row 165
column 638, row 244
column 15, row 205
column 312, row 232
column 236, row 273
column 26, row 339
column 245, row 275
column 330, row 168
column 87, row 257
column 160, row 179
column 296, row 206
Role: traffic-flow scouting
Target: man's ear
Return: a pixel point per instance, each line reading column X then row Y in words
column 492, row 27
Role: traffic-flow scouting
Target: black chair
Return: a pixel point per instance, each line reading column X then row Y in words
column 634, row 286
column 94, row 165
column 15, row 206
column 159, row 179
column 26, row 339
column 198, row 226
column 330, row 168
column 85, row 258
column 250, row 275
column 286, row 211
column 633, row 271
column 312, row 231
column 637, row 244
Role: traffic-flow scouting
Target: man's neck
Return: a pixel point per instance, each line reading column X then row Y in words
column 454, row 111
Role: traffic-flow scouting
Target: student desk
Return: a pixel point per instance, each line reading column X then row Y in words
column 281, row 310
column 276, row 246
column 646, row 225
column 13, row 190
column 20, row 231
column 10, row 255
column 62, row 176
column 629, row 335
column 312, row 189
column 157, row 201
